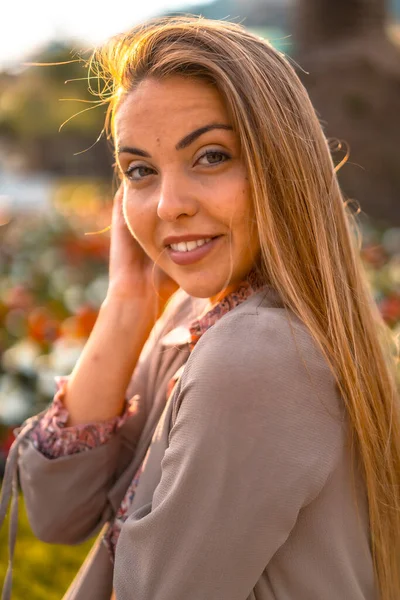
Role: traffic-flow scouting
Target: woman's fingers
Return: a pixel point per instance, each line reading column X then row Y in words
column 130, row 268
column 117, row 213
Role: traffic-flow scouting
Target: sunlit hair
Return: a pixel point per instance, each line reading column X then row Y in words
column 307, row 248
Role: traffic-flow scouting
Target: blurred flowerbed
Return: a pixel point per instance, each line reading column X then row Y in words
column 53, row 279
column 381, row 258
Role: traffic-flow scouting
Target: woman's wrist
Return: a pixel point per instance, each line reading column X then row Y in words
column 120, row 291
column 130, row 310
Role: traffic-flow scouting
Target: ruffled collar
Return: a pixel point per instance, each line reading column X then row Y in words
column 252, row 284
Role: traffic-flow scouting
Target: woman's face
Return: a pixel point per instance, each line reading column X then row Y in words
column 186, row 193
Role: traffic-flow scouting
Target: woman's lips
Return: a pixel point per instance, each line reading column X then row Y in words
column 192, row 256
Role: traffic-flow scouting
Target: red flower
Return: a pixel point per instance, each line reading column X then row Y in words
column 42, row 325
column 390, row 308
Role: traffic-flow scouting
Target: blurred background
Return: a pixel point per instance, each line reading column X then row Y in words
column 55, row 185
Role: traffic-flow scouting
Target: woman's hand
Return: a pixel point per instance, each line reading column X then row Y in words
column 136, row 296
column 132, row 274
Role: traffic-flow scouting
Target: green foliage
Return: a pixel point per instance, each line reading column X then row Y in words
column 38, row 100
column 41, row 570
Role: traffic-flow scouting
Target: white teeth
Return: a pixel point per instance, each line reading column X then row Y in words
column 191, row 246
column 188, row 246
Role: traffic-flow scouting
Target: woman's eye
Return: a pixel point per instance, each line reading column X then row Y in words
column 213, row 157
column 138, row 173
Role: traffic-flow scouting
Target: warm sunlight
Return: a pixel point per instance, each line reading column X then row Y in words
column 81, row 21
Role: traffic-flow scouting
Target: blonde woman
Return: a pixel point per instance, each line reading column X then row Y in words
column 255, row 453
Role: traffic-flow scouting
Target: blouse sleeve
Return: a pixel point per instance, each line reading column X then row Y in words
column 53, row 439
column 256, row 435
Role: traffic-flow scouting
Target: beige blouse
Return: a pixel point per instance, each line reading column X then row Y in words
column 248, row 491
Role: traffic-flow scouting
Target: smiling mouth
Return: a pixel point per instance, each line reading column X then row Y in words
column 189, row 246
column 187, row 253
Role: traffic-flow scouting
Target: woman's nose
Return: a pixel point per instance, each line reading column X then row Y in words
column 176, row 198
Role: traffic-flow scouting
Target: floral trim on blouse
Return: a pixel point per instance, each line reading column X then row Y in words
column 250, row 286
column 110, row 538
column 53, row 439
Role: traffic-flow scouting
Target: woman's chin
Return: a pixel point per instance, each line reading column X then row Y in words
column 205, row 289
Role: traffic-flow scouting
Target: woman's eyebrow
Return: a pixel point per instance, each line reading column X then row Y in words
column 132, row 150
column 191, row 137
column 184, row 142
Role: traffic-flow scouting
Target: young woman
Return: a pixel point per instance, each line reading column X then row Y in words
column 255, row 453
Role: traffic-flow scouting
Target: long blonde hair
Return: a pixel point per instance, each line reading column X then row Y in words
column 307, row 250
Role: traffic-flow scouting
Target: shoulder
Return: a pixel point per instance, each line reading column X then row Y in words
column 262, row 350
column 262, row 333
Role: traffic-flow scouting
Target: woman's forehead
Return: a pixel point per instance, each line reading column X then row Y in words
column 164, row 103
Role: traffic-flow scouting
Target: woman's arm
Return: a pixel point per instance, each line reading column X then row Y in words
column 96, row 388
column 66, row 497
column 67, row 469
column 66, row 493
